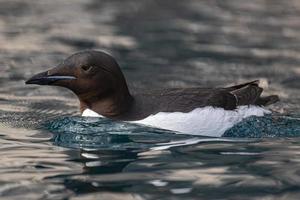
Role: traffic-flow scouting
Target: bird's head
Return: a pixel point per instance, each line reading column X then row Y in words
column 91, row 75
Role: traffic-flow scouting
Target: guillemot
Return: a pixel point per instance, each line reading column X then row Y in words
column 98, row 82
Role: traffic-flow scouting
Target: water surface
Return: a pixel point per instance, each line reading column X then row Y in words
column 158, row 44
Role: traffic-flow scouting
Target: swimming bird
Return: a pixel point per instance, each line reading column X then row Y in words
column 98, row 82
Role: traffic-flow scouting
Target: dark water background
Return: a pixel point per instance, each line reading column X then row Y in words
column 170, row 43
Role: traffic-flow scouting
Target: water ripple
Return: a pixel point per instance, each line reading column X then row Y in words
column 100, row 133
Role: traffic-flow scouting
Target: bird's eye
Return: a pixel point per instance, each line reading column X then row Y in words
column 86, row 68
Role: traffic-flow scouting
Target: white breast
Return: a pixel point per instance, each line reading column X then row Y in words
column 90, row 113
column 207, row 121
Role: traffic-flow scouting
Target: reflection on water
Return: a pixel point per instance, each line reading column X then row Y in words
column 167, row 43
column 100, row 133
column 246, row 169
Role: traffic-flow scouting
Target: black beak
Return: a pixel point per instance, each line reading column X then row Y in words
column 45, row 79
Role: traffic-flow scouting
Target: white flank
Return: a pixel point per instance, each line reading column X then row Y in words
column 90, row 113
column 207, row 121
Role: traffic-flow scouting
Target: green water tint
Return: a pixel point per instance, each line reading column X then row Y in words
column 266, row 126
column 99, row 133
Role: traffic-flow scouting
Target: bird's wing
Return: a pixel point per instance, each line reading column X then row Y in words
column 246, row 94
column 188, row 99
column 250, row 94
column 228, row 98
column 236, row 87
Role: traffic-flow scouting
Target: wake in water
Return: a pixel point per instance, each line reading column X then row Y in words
column 266, row 126
column 101, row 133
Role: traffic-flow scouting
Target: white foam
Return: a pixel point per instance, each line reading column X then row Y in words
column 207, row 121
column 190, row 141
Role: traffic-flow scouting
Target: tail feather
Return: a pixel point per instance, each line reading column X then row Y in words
column 250, row 94
column 265, row 101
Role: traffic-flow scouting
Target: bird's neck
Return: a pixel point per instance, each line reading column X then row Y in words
column 111, row 106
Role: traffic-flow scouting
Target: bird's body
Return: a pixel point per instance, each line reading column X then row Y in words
column 97, row 80
column 206, row 121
